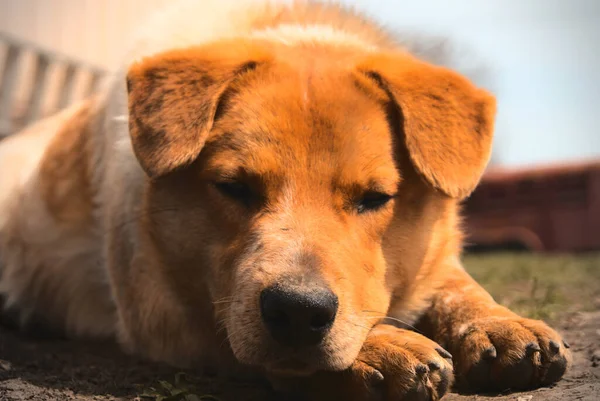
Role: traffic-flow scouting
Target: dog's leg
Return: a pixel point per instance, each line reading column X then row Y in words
column 51, row 276
column 32, row 325
column 493, row 348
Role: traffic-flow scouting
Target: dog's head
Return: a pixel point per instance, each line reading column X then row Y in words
column 301, row 192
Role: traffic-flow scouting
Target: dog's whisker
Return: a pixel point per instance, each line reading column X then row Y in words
column 221, row 322
column 221, row 329
column 383, row 316
column 229, row 335
column 225, row 301
column 348, row 319
column 225, row 297
column 359, row 325
column 222, row 309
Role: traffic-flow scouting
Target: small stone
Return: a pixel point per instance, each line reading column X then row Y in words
column 5, row 365
column 596, row 358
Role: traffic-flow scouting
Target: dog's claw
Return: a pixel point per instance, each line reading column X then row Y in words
column 554, row 346
column 434, row 365
column 443, row 353
column 421, row 370
column 532, row 348
column 376, row 377
column 490, row 353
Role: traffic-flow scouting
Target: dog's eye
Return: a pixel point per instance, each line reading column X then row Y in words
column 237, row 191
column 372, row 201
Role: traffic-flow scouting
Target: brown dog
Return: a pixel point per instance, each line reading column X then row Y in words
column 267, row 186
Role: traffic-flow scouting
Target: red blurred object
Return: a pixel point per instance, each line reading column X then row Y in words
column 554, row 209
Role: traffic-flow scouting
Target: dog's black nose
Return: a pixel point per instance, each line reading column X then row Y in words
column 298, row 318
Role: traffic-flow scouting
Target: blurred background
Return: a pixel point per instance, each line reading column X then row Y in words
column 540, row 57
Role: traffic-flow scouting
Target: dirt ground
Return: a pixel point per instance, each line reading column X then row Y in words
column 60, row 370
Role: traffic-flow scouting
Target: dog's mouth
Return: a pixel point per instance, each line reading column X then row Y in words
column 256, row 346
column 300, row 362
column 294, row 328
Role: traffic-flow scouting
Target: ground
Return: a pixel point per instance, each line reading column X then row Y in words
column 563, row 290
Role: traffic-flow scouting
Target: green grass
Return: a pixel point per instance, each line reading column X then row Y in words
column 181, row 389
column 539, row 286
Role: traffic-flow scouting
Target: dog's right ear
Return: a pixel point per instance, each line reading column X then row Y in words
column 446, row 122
column 174, row 96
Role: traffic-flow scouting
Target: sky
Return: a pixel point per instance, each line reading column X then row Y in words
column 543, row 64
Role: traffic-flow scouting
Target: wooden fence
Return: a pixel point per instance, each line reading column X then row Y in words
column 35, row 82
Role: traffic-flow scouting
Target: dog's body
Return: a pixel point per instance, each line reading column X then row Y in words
column 331, row 167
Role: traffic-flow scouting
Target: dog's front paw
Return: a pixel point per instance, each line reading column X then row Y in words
column 401, row 365
column 393, row 364
column 496, row 353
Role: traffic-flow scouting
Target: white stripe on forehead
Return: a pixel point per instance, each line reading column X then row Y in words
column 293, row 34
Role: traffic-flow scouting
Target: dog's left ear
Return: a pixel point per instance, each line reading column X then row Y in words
column 447, row 123
column 175, row 97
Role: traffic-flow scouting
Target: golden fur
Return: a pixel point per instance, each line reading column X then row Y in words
column 114, row 221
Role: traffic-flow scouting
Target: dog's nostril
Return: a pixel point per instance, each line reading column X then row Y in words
column 321, row 320
column 298, row 318
column 277, row 318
